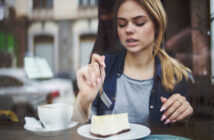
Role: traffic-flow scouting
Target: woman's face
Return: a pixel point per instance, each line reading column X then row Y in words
column 135, row 28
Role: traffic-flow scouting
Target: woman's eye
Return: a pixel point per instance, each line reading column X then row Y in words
column 140, row 24
column 121, row 25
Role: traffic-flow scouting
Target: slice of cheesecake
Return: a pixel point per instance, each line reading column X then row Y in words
column 108, row 125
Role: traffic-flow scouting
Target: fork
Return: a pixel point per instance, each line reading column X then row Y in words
column 103, row 95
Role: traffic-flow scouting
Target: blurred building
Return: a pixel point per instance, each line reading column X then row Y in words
column 62, row 31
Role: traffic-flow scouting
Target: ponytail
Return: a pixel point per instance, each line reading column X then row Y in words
column 172, row 71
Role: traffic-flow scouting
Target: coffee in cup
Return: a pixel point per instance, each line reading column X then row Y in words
column 55, row 116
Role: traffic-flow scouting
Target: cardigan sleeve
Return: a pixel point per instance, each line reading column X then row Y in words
column 182, row 88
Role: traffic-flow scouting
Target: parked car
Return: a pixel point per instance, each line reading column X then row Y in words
column 14, row 82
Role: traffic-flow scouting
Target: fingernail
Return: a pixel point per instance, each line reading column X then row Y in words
column 162, row 108
column 167, row 121
column 163, row 117
column 98, row 80
column 104, row 65
column 173, row 121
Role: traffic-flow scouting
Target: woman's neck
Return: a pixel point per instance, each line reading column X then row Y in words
column 139, row 65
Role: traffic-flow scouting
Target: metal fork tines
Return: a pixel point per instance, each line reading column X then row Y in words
column 103, row 95
column 105, row 99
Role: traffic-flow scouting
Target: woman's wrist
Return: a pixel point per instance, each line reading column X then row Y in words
column 84, row 103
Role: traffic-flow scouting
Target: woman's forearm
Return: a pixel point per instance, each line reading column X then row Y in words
column 82, row 110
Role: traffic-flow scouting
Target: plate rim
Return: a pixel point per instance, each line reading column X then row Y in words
column 131, row 124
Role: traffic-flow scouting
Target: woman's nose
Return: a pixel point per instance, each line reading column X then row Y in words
column 130, row 29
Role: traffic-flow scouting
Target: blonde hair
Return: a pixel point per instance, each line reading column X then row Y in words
column 172, row 71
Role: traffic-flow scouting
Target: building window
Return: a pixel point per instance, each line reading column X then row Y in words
column 42, row 45
column 42, row 4
column 88, row 2
column 93, row 2
column 86, row 46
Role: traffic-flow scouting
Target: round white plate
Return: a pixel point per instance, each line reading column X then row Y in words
column 136, row 132
column 47, row 132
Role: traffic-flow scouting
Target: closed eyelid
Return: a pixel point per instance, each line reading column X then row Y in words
column 139, row 22
column 121, row 20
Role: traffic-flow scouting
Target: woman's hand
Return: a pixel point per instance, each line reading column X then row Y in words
column 176, row 108
column 89, row 79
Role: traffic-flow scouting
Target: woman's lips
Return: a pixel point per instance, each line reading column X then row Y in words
column 132, row 42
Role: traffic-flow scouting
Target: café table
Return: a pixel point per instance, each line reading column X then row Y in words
column 196, row 130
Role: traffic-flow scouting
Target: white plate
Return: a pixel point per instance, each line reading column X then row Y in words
column 136, row 132
column 47, row 132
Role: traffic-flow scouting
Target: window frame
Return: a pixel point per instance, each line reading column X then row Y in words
column 42, row 4
column 88, row 3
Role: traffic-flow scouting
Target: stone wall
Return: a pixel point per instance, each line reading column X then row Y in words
column 65, row 46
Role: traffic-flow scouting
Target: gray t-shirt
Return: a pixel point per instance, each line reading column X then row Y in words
column 132, row 97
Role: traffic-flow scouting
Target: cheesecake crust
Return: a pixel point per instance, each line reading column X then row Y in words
column 104, row 136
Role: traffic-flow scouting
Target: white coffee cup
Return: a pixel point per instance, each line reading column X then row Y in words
column 55, row 116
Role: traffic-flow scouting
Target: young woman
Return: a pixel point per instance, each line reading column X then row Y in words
column 141, row 80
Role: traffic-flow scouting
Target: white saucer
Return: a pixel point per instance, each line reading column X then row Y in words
column 48, row 132
column 136, row 132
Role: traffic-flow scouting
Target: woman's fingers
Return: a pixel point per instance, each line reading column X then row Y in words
column 163, row 100
column 83, row 76
column 173, row 116
column 89, row 78
column 94, row 74
column 183, row 114
column 101, row 61
column 91, row 73
column 170, row 101
column 176, row 108
column 98, row 58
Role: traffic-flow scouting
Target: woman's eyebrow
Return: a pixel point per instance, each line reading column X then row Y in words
column 120, row 18
column 139, row 17
column 134, row 18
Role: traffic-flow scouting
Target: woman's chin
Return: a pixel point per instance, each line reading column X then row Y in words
column 134, row 49
column 139, row 49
